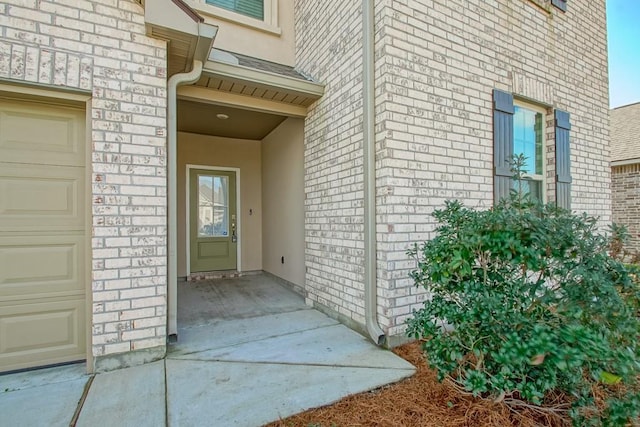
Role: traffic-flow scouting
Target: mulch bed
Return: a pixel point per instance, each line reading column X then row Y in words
column 418, row 401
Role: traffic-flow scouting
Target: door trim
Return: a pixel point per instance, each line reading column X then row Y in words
column 238, row 209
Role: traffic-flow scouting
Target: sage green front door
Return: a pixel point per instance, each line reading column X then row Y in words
column 213, row 220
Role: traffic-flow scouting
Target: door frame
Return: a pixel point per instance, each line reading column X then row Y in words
column 188, row 213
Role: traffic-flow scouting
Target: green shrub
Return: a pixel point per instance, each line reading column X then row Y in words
column 526, row 303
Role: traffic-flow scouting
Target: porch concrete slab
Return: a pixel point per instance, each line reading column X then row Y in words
column 252, row 394
column 52, row 404
column 333, row 345
column 237, row 298
column 128, row 397
column 225, row 333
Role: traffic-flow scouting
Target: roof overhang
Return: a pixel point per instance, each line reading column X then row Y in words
column 186, row 33
column 241, row 86
column 253, row 84
column 625, row 162
column 263, row 79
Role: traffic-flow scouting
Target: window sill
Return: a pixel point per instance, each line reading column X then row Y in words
column 236, row 18
column 544, row 5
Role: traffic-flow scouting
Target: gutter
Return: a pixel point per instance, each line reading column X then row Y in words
column 172, row 195
column 369, row 169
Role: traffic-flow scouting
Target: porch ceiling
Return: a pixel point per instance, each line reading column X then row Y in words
column 201, row 118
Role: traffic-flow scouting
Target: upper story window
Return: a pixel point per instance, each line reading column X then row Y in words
column 528, row 140
column 251, row 8
column 260, row 15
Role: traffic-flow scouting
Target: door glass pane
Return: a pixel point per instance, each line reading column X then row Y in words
column 213, row 206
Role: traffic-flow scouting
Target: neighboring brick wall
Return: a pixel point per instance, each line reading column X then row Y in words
column 625, row 195
column 101, row 47
column 437, row 62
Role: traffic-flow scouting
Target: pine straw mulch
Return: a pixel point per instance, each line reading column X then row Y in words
column 418, row 401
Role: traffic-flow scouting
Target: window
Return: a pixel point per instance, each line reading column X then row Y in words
column 528, row 140
column 519, row 129
column 560, row 4
column 261, row 15
column 251, row 8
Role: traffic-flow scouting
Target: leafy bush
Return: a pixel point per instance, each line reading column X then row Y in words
column 526, row 304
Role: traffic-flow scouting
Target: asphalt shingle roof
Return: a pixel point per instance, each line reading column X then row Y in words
column 271, row 67
column 625, row 132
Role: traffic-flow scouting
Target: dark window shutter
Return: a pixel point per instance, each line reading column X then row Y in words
column 560, row 4
column 503, row 111
column 563, row 159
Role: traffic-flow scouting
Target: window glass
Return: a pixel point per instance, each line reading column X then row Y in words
column 252, row 8
column 528, row 140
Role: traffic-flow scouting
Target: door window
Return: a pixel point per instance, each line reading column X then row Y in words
column 213, row 206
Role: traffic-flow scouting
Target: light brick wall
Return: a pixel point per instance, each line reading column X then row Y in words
column 329, row 46
column 625, row 194
column 437, row 62
column 101, row 47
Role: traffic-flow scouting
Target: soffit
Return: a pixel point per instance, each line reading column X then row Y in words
column 625, row 133
column 201, row 118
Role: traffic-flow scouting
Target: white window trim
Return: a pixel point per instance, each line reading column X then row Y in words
column 537, row 177
column 270, row 24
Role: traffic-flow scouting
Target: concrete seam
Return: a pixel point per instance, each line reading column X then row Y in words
column 83, row 398
column 166, row 395
column 218, row 321
column 169, row 356
column 319, row 365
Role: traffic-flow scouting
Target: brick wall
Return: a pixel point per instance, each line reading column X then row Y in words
column 100, row 47
column 437, row 62
column 625, row 195
column 329, row 46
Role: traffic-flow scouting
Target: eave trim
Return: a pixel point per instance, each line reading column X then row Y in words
column 625, row 162
column 263, row 78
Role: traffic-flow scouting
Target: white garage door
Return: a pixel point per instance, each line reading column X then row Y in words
column 42, row 234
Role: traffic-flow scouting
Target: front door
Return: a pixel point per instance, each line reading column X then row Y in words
column 213, row 230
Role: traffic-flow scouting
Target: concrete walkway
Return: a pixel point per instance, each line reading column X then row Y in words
column 241, row 370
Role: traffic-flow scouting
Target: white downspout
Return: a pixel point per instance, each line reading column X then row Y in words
column 368, row 94
column 172, row 183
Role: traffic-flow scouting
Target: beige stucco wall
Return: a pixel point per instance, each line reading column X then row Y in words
column 203, row 150
column 275, row 44
column 283, row 201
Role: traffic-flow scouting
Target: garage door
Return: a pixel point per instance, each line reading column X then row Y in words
column 42, row 234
